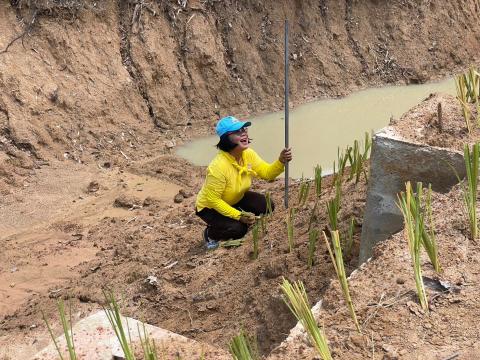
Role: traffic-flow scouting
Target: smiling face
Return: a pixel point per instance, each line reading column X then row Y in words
column 239, row 137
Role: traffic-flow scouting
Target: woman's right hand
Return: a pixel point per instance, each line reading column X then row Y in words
column 248, row 218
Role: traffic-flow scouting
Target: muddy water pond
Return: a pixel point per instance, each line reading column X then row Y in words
column 319, row 128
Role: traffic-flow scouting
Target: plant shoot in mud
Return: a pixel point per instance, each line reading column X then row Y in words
column 312, row 246
column 429, row 240
column 318, row 180
column 349, row 238
column 67, row 331
column 268, row 199
column 337, row 260
column 409, row 205
column 112, row 310
column 471, row 159
column 333, row 206
column 461, row 86
column 303, row 192
column 255, row 236
column 243, row 348
column 148, row 345
column 296, row 299
column 290, row 235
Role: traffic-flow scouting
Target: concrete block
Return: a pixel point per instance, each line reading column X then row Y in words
column 394, row 161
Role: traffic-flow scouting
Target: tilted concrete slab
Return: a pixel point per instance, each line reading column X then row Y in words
column 95, row 340
column 393, row 162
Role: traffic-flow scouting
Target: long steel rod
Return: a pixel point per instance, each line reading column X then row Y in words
column 286, row 111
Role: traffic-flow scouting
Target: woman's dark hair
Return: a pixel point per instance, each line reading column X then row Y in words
column 226, row 145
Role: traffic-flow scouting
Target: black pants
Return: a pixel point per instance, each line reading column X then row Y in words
column 224, row 228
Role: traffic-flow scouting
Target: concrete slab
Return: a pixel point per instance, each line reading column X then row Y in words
column 95, row 340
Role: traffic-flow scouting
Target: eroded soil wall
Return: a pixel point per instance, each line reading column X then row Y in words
column 116, row 79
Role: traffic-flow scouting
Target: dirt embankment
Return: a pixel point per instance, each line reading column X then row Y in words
column 113, row 81
column 94, row 96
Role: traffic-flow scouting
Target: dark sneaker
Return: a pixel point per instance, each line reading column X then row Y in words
column 209, row 243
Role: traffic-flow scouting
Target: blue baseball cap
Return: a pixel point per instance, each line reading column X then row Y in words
column 230, row 123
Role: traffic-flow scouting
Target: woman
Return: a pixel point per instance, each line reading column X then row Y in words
column 225, row 202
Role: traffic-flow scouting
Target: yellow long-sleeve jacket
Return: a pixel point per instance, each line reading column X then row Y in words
column 227, row 181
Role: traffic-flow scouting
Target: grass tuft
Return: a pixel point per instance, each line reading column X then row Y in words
column 471, row 159
column 337, row 260
column 67, row 331
column 243, row 348
column 312, row 246
column 296, row 299
column 409, row 204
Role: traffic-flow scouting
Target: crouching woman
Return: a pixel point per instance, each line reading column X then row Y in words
column 225, row 202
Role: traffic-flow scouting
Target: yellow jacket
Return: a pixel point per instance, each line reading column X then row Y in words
column 227, row 181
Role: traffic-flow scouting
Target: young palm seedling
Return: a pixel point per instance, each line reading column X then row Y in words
column 290, row 222
column 268, row 199
column 337, row 260
column 414, row 232
column 67, row 331
column 429, row 241
column 471, row 159
column 473, row 85
column 462, row 97
column 255, row 236
column 241, row 347
column 148, row 345
column 349, row 238
column 342, row 160
column 296, row 299
column 112, row 310
column 333, row 206
column 312, row 246
column 303, row 192
column 313, row 215
column 318, row 180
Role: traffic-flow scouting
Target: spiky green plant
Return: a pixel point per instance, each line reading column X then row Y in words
column 318, row 180
column 473, row 86
column 290, row 228
column 263, row 223
column 255, row 236
column 461, row 86
column 409, row 204
column 313, row 215
column 312, row 246
column 112, row 310
column 303, row 192
column 471, row 159
column 337, row 260
column 243, row 348
column 349, row 238
column 429, row 240
column 296, row 299
column 67, row 331
column 342, row 158
column 333, row 206
column 148, row 345
column 268, row 199
column 367, row 147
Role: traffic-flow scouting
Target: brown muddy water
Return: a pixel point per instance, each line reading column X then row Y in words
column 319, row 128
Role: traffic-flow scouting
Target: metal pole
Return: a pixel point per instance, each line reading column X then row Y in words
column 286, row 110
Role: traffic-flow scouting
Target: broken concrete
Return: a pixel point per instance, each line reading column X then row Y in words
column 394, row 161
column 95, row 340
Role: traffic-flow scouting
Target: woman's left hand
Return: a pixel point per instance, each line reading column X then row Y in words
column 285, row 155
